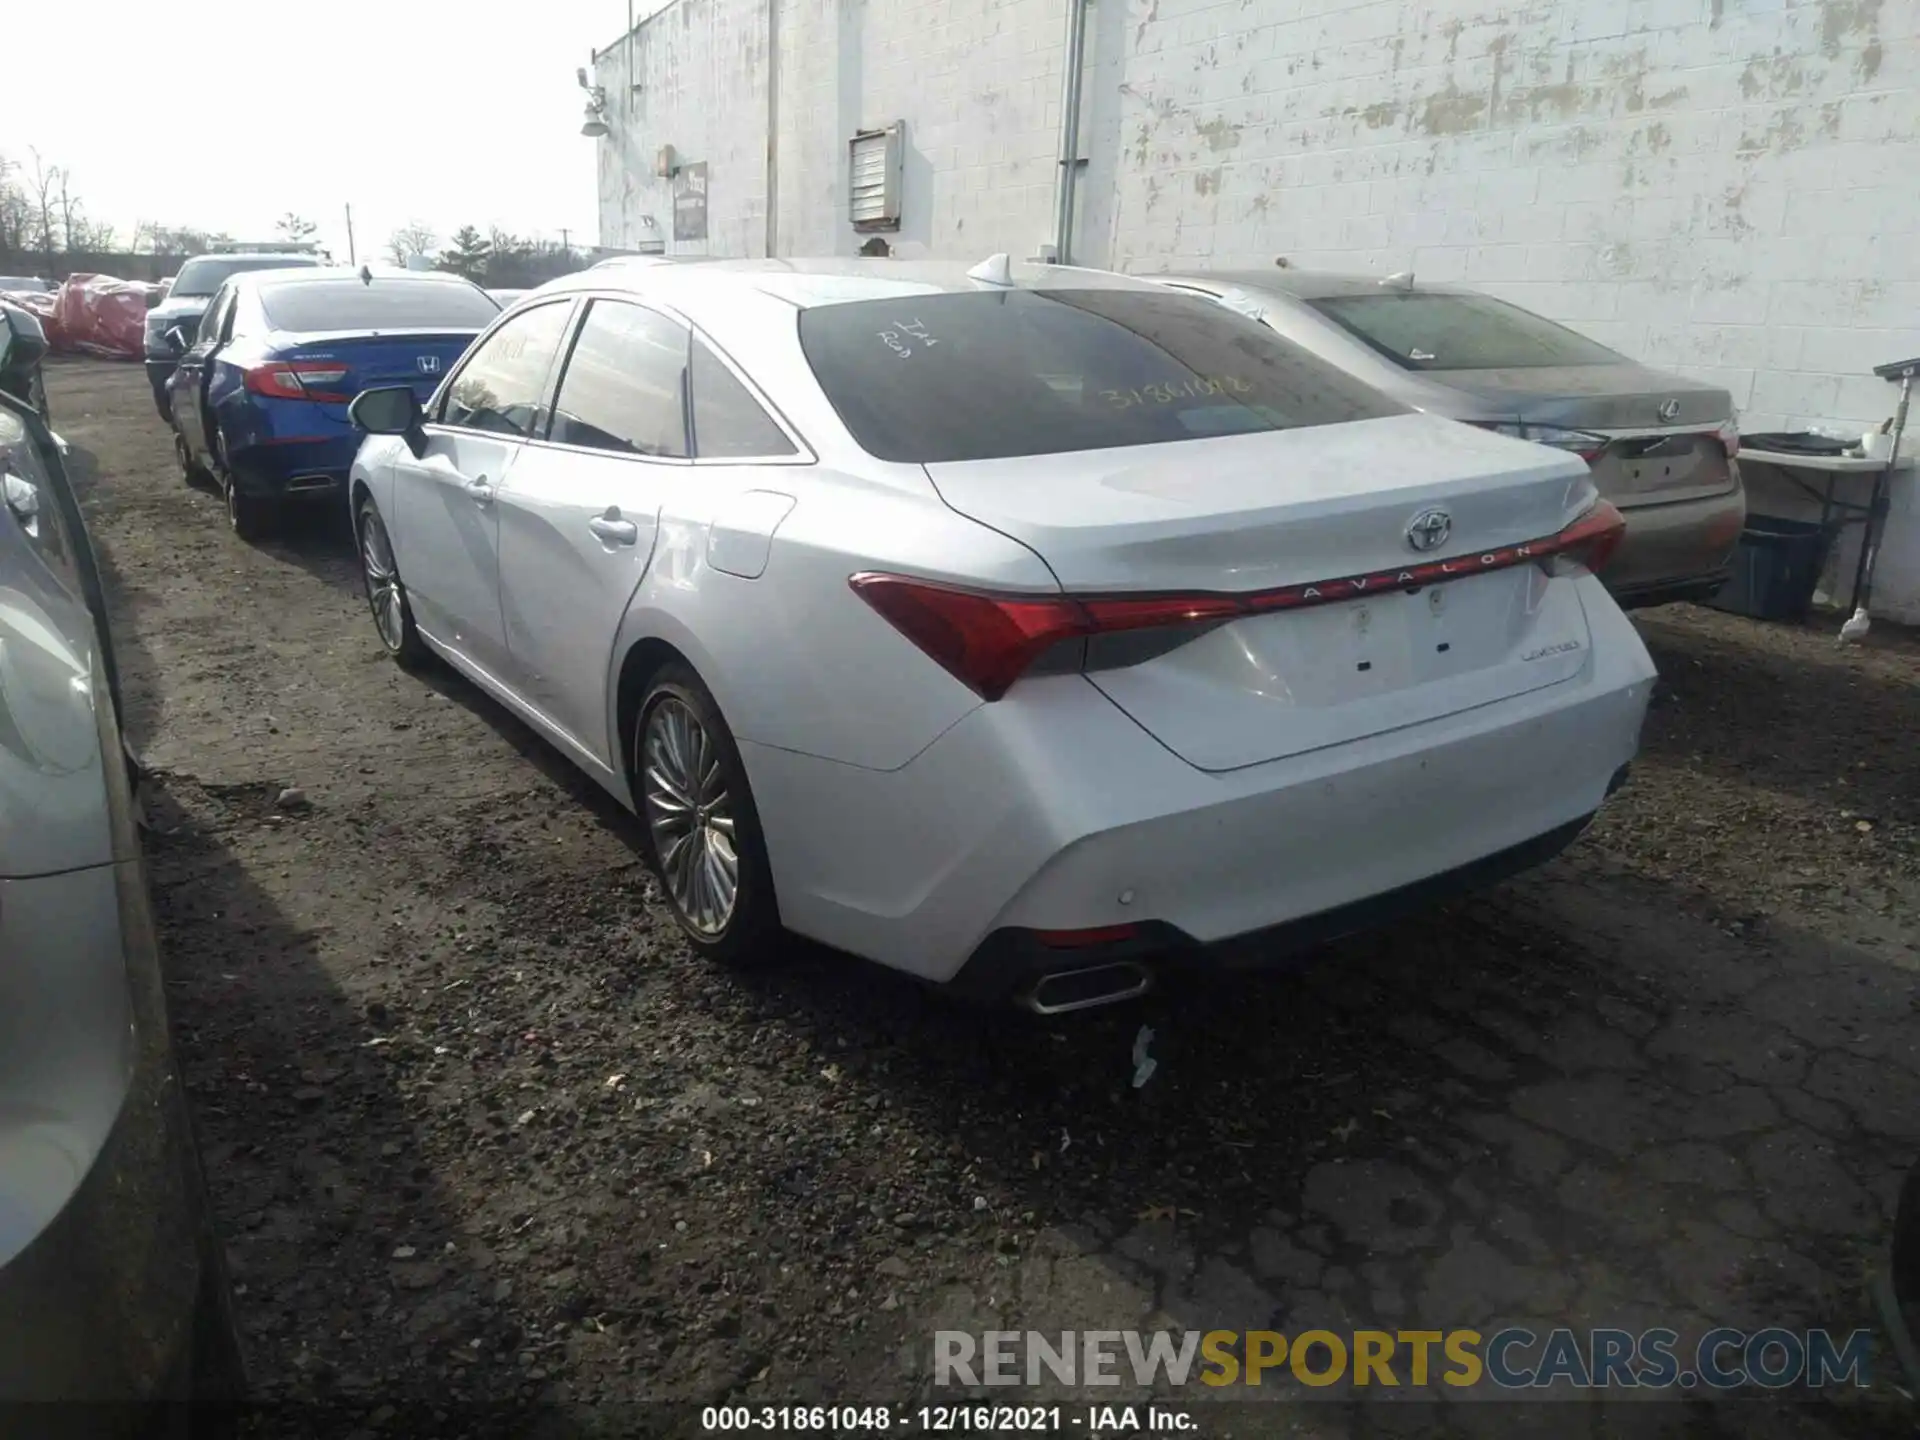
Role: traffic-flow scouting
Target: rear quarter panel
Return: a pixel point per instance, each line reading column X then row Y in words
column 795, row 659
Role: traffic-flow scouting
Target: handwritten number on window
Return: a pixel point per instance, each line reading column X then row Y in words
column 896, row 338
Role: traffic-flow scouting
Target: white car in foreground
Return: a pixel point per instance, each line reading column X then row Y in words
column 1032, row 630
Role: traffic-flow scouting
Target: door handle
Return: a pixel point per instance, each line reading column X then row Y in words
column 613, row 530
column 480, row 490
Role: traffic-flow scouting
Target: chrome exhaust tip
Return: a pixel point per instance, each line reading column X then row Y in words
column 1064, row 991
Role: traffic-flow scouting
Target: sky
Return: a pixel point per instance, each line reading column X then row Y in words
column 224, row 116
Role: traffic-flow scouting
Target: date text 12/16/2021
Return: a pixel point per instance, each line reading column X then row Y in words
column 1089, row 1420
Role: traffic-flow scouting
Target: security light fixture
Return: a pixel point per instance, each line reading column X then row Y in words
column 595, row 123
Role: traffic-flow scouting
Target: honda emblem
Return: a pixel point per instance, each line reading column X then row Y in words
column 429, row 364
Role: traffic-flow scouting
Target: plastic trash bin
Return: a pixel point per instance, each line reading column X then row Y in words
column 1776, row 567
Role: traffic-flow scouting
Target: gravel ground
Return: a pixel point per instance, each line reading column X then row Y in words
column 482, row 1133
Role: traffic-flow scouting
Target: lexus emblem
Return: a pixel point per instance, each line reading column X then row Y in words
column 1429, row 529
column 430, row 364
column 1669, row 409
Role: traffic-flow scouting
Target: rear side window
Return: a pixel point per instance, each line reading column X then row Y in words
column 624, row 388
column 991, row 374
column 728, row 423
column 503, row 383
column 384, row 305
column 1460, row 332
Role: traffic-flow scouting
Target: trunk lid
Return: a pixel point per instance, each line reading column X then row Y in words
column 417, row 358
column 1651, row 457
column 1260, row 512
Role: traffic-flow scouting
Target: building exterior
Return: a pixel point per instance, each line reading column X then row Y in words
column 1729, row 188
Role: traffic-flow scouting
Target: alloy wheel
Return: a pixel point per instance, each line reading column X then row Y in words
column 690, row 816
column 383, row 580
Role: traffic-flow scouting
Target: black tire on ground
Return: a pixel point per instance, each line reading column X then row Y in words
column 1906, row 1241
column 190, row 469
column 251, row 517
column 751, row 933
column 408, row 650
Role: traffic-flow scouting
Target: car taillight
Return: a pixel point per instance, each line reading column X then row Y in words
column 1589, row 542
column 1729, row 436
column 298, row 380
column 1583, row 443
column 989, row 641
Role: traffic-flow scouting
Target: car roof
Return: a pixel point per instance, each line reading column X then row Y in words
column 1309, row 284
column 806, row 283
column 314, row 274
column 292, row 257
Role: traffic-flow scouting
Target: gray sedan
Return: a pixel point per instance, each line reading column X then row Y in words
column 112, row 1283
column 1660, row 447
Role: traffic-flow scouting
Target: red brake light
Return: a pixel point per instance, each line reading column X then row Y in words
column 1592, row 539
column 297, row 380
column 989, row 641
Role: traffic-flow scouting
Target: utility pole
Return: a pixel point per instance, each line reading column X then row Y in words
column 564, row 245
column 352, row 258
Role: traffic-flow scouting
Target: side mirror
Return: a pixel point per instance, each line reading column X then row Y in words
column 390, row 410
column 23, row 343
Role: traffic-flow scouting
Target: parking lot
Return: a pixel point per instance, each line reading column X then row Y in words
column 479, row 1130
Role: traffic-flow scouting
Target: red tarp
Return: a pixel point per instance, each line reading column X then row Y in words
column 98, row 315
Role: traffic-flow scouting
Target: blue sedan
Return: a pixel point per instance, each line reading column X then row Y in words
column 260, row 400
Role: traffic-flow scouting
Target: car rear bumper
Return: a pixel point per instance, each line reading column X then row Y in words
column 1053, row 811
column 284, row 467
column 1676, row 551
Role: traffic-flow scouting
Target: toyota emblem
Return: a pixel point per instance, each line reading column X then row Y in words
column 1669, row 409
column 429, row 364
column 1429, row 529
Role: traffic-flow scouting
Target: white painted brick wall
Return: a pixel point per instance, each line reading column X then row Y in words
column 1728, row 188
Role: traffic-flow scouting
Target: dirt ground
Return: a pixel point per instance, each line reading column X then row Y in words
column 482, row 1133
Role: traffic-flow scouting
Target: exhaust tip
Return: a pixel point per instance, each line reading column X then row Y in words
column 1089, row 986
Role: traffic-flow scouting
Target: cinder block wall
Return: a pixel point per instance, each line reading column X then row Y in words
column 1727, row 187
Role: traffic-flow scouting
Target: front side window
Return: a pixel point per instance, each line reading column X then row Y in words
column 503, row 384
column 624, row 388
column 985, row 375
column 1420, row 331
column 728, row 423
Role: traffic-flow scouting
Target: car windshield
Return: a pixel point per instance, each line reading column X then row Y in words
column 1421, row 331
column 394, row 304
column 991, row 374
column 204, row 276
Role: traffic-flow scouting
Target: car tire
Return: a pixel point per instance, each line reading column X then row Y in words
column 251, row 517
column 386, row 593
column 190, row 469
column 696, row 807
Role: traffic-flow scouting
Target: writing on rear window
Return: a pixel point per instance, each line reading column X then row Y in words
column 1194, row 387
column 900, row 337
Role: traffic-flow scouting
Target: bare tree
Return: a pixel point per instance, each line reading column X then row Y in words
column 409, row 240
column 46, row 186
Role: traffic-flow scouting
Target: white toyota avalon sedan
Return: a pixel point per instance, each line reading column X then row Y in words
column 1033, row 630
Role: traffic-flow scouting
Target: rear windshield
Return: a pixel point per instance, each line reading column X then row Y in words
column 395, row 304
column 991, row 374
column 204, row 276
column 1460, row 332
